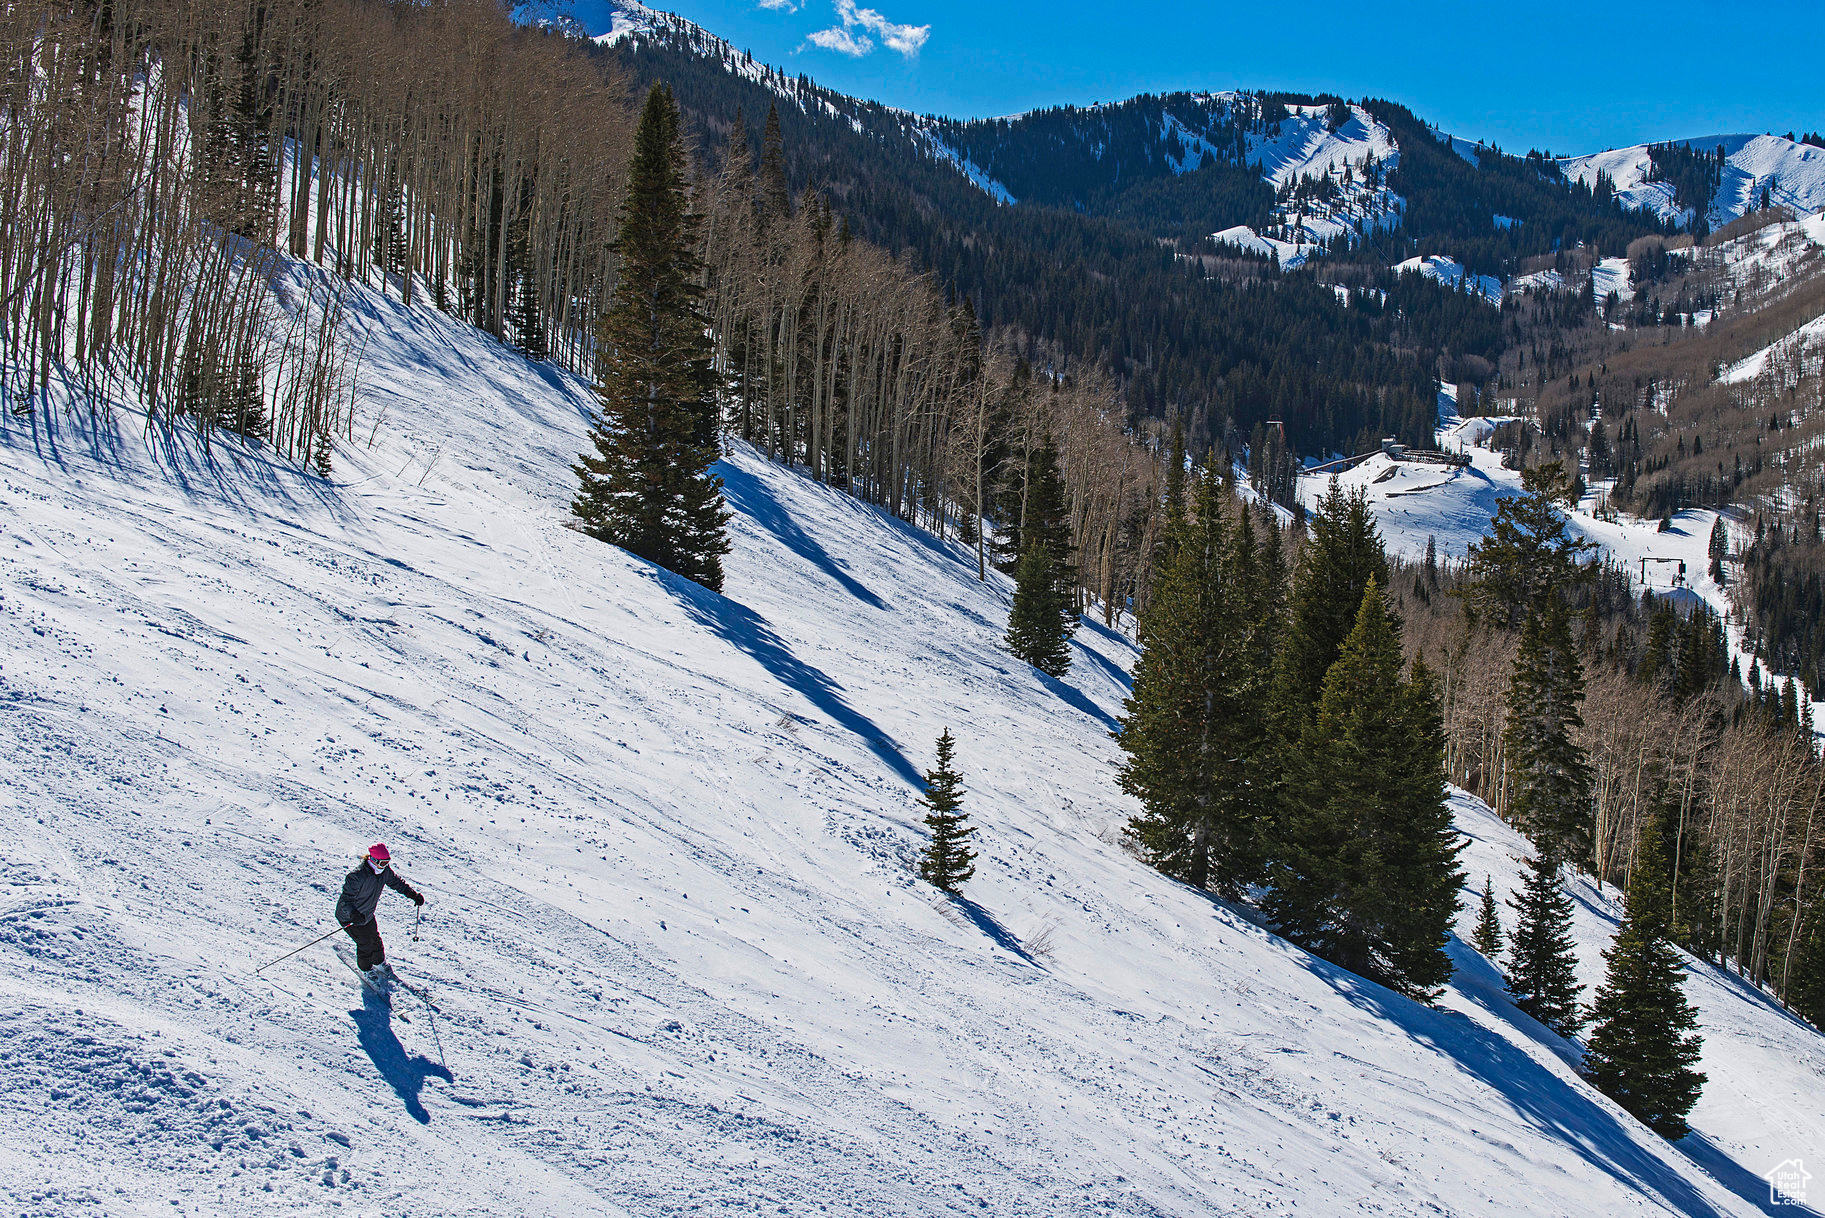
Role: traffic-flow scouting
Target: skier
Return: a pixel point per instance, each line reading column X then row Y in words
column 360, row 896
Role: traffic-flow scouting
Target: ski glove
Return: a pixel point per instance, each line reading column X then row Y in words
column 418, row 898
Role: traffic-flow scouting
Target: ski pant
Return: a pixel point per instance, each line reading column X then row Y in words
column 369, row 950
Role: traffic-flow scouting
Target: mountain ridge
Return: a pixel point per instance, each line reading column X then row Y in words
column 1768, row 163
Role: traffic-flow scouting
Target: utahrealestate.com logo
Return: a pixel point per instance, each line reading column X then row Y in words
column 1787, row 1183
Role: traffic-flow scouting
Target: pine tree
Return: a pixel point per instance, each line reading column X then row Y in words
column 1805, row 971
column 1047, row 521
column 1364, row 867
column 1339, row 559
column 1419, row 875
column 648, row 488
column 1193, row 733
column 1542, row 966
column 775, row 194
column 1552, row 779
column 1487, row 937
column 1645, row 1041
column 1529, row 555
column 1175, row 478
column 1039, row 623
column 948, row 860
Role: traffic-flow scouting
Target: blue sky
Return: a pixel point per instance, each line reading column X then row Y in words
column 1567, row 76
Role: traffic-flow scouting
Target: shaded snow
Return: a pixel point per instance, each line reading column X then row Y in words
column 1290, row 253
column 1537, row 281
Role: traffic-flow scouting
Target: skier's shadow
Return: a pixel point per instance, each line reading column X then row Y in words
column 406, row 1074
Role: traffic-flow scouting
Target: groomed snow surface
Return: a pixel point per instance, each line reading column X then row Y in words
column 680, row 961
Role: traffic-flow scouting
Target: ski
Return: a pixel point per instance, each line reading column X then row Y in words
column 367, row 982
column 393, row 979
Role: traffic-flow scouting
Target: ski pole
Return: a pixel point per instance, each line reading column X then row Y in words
column 418, row 914
column 294, row 951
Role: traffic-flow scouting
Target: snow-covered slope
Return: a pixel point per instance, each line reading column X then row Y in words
column 1419, row 505
column 1451, row 273
column 679, row 958
column 1793, row 173
column 1352, row 158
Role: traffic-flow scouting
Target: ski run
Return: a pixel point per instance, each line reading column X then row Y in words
column 680, row 959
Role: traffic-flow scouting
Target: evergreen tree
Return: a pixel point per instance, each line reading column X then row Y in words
column 1542, row 967
column 1552, row 780
column 648, row 488
column 1645, row 1041
column 1032, row 503
column 1045, row 578
column 1420, row 876
column 1364, row 867
column 391, row 248
column 1260, row 575
column 1806, row 969
column 1175, row 476
column 948, row 860
column 1487, row 937
column 1338, row 561
column 1719, row 549
column 1529, row 555
column 1193, row 735
column 1047, row 520
column 775, row 194
column 1040, row 621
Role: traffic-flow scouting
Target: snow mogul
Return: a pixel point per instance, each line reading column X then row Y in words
column 360, row 898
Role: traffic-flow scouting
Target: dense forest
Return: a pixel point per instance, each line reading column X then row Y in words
column 1086, row 280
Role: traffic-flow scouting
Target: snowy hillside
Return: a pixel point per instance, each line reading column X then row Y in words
column 679, row 959
column 1349, row 158
column 1419, row 504
column 1451, row 273
column 1793, row 173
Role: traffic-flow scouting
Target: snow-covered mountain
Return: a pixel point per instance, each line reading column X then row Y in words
column 1326, row 160
column 679, row 958
column 1793, row 175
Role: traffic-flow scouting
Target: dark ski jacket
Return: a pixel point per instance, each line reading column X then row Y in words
column 361, row 893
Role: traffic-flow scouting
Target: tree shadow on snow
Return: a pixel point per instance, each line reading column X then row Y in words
column 749, row 632
column 1735, row 1177
column 1563, row 1110
column 1077, row 700
column 748, row 495
column 985, row 922
column 221, row 468
column 405, row 1073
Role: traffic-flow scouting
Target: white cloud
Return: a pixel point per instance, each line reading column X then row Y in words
column 906, row 39
column 778, row 6
column 838, row 39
